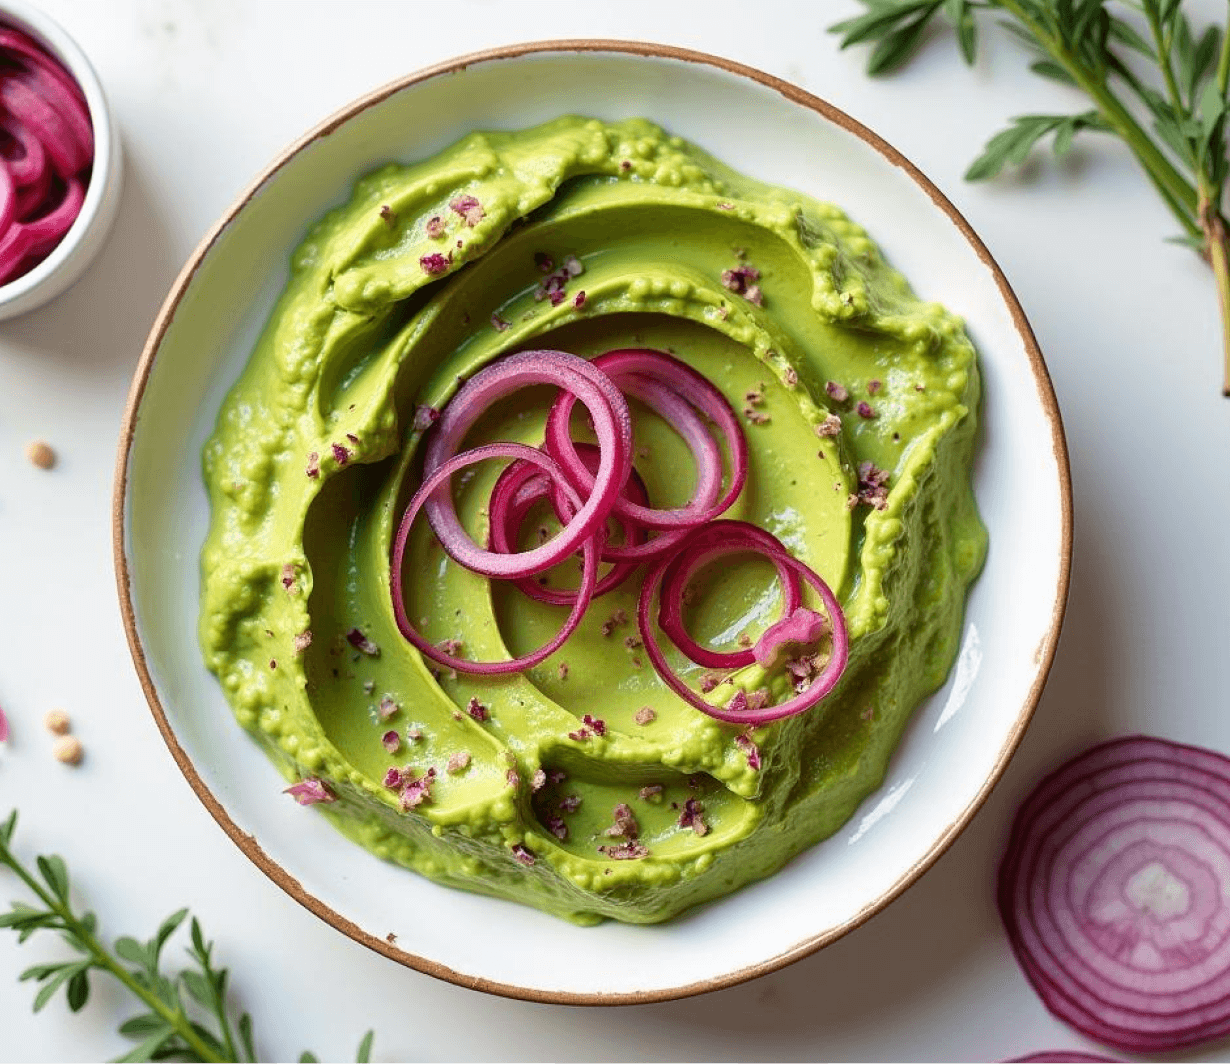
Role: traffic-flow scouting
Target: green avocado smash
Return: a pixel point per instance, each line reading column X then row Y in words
column 583, row 236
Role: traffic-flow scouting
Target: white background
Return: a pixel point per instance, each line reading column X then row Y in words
column 206, row 92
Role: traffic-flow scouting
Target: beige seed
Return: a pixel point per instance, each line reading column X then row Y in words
column 40, row 454
column 57, row 722
column 68, row 750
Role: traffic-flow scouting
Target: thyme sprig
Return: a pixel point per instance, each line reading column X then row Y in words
column 1100, row 48
column 187, row 1015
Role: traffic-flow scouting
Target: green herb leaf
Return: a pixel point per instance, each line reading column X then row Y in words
column 1124, row 33
column 308, row 1058
column 79, row 989
column 143, row 1026
column 147, row 1049
column 961, row 15
column 364, row 1054
column 49, row 988
column 245, row 1037
column 55, row 874
column 1048, row 68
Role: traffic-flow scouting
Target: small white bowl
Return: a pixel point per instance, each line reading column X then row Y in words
column 102, row 198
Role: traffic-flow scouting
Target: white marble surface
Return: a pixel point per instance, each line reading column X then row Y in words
column 206, row 92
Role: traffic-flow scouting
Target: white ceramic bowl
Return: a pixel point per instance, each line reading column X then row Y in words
column 957, row 744
column 89, row 232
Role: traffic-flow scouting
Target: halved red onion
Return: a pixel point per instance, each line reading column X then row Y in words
column 522, row 486
column 440, row 477
column 704, row 546
column 741, row 537
column 612, row 425
column 633, row 369
column 1115, row 892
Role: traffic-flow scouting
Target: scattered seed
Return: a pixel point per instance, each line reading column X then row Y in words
column 41, row 454
column 57, row 722
column 67, row 749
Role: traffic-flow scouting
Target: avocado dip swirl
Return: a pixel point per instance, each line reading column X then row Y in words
column 583, row 786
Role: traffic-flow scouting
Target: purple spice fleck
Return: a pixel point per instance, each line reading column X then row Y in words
column 341, row 455
column 837, row 392
column 523, row 855
column 313, row 465
column 469, row 208
column 865, row 411
column 478, row 711
column 435, row 227
column 434, row 264
column 362, row 644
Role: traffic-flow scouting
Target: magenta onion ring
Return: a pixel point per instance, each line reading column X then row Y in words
column 704, row 547
column 441, row 476
column 742, row 537
column 32, row 164
column 1114, row 892
column 39, row 235
column 28, row 107
column 623, row 366
column 520, row 487
column 612, row 423
column 32, row 53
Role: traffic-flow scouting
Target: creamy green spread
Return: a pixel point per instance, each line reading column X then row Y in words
column 859, row 403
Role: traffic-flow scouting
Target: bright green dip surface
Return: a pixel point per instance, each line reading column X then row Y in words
column 363, row 335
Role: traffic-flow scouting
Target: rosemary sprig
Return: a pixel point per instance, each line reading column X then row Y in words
column 1096, row 46
column 187, row 1015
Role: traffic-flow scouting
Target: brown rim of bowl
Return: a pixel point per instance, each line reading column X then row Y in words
column 1043, row 656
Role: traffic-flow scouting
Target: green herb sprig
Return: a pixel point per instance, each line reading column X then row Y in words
column 1098, row 46
column 187, row 1015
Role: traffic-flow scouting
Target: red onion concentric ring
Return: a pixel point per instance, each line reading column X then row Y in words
column 522, row 486
column 627, row 367
column 1114, row 891
column 589, row 571
column 740, row 538
column 612, row 424
column 705, row 546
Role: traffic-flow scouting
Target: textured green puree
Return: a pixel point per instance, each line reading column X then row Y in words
column 364, row 334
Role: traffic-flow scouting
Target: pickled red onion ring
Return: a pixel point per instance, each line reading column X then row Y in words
column 703, row 547
column 625, row 367
column 441, row 476
column 520, row 487
column 741, row 537
column 612, row 425
column 30, row 166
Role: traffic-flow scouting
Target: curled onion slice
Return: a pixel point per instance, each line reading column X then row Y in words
column 29, row 166
column 612, row 425
column 704, row 546
column 740, row 537
column 631, row 369
column 1114, row 891
column 441, row 476
column 520, row 487
column 39, row 235
column 67, row 154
